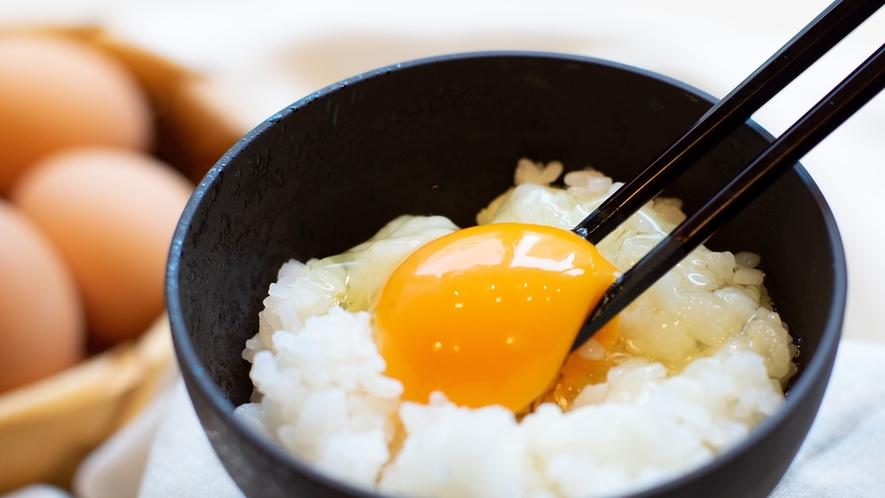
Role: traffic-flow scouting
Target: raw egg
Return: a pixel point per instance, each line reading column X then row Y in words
column 111, row 214
column 488, row 314
column 41, row 319
column 56, row 93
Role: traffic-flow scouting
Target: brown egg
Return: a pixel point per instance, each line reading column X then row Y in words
column 57, row 93
column 41, row 320
column 111, row 214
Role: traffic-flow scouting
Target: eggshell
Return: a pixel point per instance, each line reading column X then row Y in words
column 57, row 93
column 111, row 214
column 42, row 330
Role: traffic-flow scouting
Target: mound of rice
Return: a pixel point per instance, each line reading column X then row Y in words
column 701, row 359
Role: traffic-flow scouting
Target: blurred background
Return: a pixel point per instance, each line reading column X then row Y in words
column 244, row 61
column 263, row 55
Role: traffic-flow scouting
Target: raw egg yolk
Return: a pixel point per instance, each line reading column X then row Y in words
column 488, row 314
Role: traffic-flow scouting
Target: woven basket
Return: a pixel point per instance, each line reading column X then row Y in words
column 46, row 428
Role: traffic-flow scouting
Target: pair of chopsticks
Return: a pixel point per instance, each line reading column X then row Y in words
column 822, row 34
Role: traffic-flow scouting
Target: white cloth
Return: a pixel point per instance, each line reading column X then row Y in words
column 843, row 455
column 37, row 491
column 114, row 469
column 182, row 462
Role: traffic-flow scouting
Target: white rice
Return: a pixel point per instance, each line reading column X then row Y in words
column 701, row 360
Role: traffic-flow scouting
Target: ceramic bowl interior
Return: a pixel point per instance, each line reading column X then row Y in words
column 443, row 136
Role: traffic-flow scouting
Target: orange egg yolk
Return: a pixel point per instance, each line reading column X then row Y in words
column 488, row 314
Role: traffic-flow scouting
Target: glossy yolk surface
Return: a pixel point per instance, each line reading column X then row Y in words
column 487, row 314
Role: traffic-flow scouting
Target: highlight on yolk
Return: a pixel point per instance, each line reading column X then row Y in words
column 487, row 314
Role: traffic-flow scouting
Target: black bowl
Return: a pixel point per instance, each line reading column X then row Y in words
column 442, row 136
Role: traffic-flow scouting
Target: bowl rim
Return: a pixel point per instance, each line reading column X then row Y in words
column 224, row 408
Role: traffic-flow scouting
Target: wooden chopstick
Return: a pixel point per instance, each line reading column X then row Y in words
column 851, row 94
column 816, row 39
